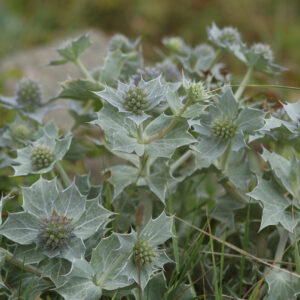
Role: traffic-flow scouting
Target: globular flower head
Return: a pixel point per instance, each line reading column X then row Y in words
column 55, row 221
column 175, row 44
column 41, row 157
column 197, row 91
column 263, row 49
column 21, row 131
column 229, row 35
column 28, row 94
column 143, row 249
column 136, row 100
column 144, row 253
column 226, row 124
column 55, row 233
column 169, row 71
column 224, row 128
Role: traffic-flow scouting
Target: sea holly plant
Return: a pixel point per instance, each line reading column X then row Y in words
column 56, row 221
column 175, row 181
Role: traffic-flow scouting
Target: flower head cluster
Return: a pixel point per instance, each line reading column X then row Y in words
column 229, row 35
column 21, row 131
column 42, row 157
column 135, row 100
column 144, row 252
column 224, row 128
column 197, row 91
column 226, row 124
column 263, row 49
column 28, row 93
column 174, row 43
column 56, row 221
column 55, row 232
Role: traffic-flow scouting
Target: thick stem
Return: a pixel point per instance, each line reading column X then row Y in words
column 283, row 237
column 233, row 191
column 225, row 157
column 243, row 84
column 140, row 131
column 18, row 263
column 65, row 178
column 88, row 76
column 180, row 161
column 170, row 126
column 83, row 69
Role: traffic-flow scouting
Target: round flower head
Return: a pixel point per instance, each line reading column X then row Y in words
column 169, row 71
column 224, row 128
column 21, row 131
column 197, row 91
column 144, row 252
column 264, row 50
column 174, row 44
column 55, row 232
column 136, row 100
column 229, row 35
column 41, row 157
column 28, row 93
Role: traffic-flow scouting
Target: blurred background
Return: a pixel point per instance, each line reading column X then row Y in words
column 26, row 24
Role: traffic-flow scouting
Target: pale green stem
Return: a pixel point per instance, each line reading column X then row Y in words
column 18, row 263
column 283, row 237
column 170, row 126
column 57, row 180
column 243, row 84
column 83, row 69
column 180, row 161
column 140, row 131
column 65, row 178
column 88, row 76
column 236, row 193
column 225, row 157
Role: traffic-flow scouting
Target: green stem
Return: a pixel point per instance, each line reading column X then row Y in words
column 57, row 180
column 243, row 84
column 225, row 157
column 140, row 131
column 18, row 263
column 283, row 237
column 83, row 70
column 88, row 76
column 65, row 178
column 87, row 107
column 180, row 161
column 170, row 126
column 174, row 238
column 233, row 191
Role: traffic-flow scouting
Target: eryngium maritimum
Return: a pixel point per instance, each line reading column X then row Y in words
column 224, row 128
column 29, row 93
column 41, row 157
column 55, row 233
column 144, row 252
